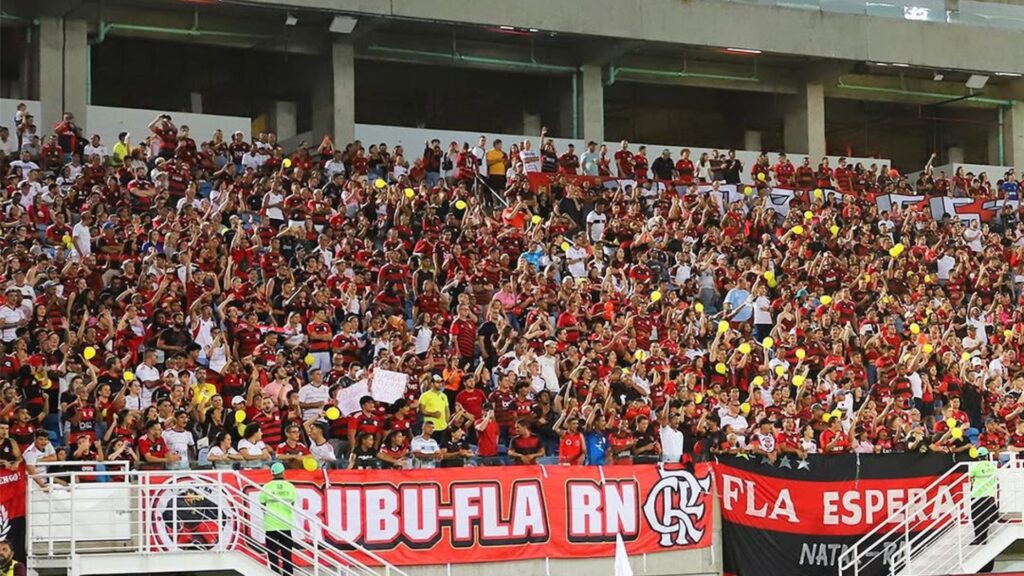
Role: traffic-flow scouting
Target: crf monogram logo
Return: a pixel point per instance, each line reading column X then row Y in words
column 675, row 507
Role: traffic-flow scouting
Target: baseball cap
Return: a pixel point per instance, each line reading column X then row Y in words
column 237, row 400
column 277, row 468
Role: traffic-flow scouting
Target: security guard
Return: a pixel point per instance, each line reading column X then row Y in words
column 8, row 565
column 983, row 495
column 278, row 496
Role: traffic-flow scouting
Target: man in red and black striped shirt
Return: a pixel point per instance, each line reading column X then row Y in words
column 270, row 421
column 463, row 333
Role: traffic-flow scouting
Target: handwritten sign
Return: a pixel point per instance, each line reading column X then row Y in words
column 388, row 385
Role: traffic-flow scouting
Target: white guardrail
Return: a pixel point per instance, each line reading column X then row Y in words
column 190, row 516
column 937, row 532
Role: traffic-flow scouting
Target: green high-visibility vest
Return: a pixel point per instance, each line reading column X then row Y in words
column 983, row 479
column 278, row 496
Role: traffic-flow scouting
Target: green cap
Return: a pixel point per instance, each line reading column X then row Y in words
column 277, row 468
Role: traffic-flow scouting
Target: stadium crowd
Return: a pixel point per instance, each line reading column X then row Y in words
column 180, row 303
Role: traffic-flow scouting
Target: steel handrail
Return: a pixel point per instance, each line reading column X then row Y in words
column 315, row 546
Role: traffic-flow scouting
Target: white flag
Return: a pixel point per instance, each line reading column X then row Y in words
column 622, row 567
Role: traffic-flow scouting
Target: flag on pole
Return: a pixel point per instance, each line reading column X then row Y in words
column 622, row 567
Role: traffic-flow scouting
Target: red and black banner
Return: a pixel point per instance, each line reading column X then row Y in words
column 12, row 509
column 797, row 516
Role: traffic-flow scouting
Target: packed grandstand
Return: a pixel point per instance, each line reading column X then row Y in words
column 203, row 301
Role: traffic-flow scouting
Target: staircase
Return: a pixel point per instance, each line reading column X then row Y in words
column 132, row 522
column 934, row 533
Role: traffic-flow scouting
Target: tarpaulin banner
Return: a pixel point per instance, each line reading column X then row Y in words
column 459, row 515
column 12, row 509
column 797, row 516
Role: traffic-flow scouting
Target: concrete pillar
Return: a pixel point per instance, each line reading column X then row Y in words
column 282, row 120
column 993, row 145
column 1013, row 135
column 76, row 68
column 591, row 89
column 49, row 62
column 63, row 66
column 804, row 124
column 334, row 97
column 954, row 155
column 752, row 140
column 531, row 123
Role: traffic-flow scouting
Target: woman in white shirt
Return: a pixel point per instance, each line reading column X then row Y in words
column 319, row 448
column 217, row 351
column 222, row 454
column 255, row 454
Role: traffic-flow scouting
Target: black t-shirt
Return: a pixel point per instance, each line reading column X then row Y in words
column 731, row 171
column 365, row 459
column 488, row 331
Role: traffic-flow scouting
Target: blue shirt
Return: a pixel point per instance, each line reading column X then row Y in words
column 738, row 297
column 597, row 444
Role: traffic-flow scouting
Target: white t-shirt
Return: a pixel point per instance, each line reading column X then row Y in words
column 672, row 441
column 548, row 372
column 82, row 237
column 530, row 160
column 323, row 453
column 480, row 153
column 334, row 167
column 11, row 316
column 577, row 269
column 247, row 448
column 596, row 224
column 91, row 151
column 274, row 198
column 424, row 446
column 146, row 373
column 762, row 310
column 32, row 455
column 218, row 452
column 309, row 394
column 178, row 442
column 945, row 265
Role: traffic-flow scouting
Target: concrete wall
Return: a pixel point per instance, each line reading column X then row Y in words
column 412, row 139
column 108, row 122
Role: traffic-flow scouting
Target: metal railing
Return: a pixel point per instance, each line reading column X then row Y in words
column 77, row 512
column 938, row 530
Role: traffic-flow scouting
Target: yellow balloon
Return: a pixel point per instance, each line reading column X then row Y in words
column 896, row 250
column 768, row 342
column 927, row 348
column 745, row 407
column 699, row 307
column 798, row 230
column 779, row 370
column 66, row 240
column 826, row 300
column 927, row 278
column 723, row 327
column 287, row 163
column 965, row 356
column 460, row 204
column 698, row 398
column 973, row 452
column 834, row 230
column 837, row 413
column 915, row 329
column 655, row 296
column 310, row 359
column 769, row 275
column 956, row 433
column 721, row 368
column 128, row 375
column 309, row 464
column 801, row 353
column 826, row 417
column 89, row 353
column 536, row 219
column 808, row 215
column 565, row 246
column 758, row 381
column 798, row 380
column 748, row 190
column 640, row 355
column 1007, row 333
column 379, row 183
column 332, row 413
column 240, row 416
column 818, row 194
column 745, row 348
column 760, row 176
column 409, row 192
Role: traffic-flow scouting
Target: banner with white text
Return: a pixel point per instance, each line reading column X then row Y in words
column 466, row 515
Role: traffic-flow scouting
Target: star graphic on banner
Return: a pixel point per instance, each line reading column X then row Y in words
column 803, row 464
column 765, row 460
column 785, row 463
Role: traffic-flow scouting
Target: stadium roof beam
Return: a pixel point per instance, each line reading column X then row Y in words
column 811, row 33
